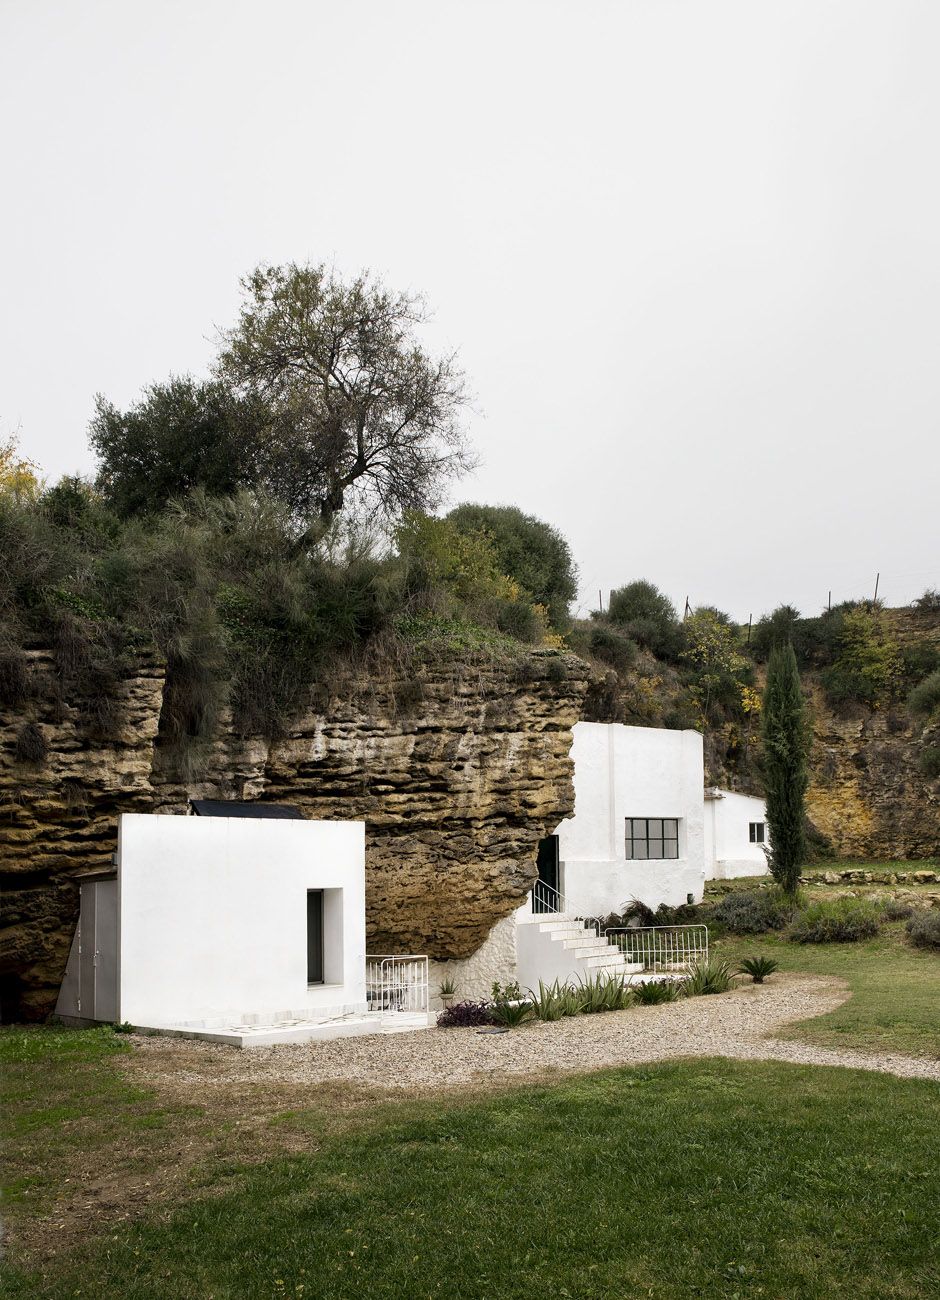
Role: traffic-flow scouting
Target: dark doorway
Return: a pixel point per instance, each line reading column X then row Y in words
column 545, row 895
column 314, row 936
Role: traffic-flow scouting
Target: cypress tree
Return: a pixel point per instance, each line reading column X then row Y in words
column 784, row 734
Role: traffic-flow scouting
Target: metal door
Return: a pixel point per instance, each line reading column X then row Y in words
column 97, row 959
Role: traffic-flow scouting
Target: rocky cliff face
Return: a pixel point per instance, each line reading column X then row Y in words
column 457, row 771
column 867, row 793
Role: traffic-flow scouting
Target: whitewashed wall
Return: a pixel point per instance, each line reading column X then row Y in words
column 493, row 961
column 728, row 850
column 622, row 772
column 213, row 918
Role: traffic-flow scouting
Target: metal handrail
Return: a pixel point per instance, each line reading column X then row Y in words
column 559, row 904
column 662, row 949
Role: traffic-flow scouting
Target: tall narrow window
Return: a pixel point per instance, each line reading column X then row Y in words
column 314, row 936
column 757, row 832
column 652, row 837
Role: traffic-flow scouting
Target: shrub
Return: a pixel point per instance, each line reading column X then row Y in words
column 924, row 699
column 509, row 1007
column 919, row 660
column 929, row 761
column 843, row 920
column 868, row 669
column 14, row 678
column 648, row 616
column 758, row 968
column 651, row 993
column 895, row 910
column 712, row 976
column 924, row 928
column 612, row 646
column 753, row 911
column 929, row 602
column 31, row 744
column 528, row 550
column 774, row 629
column 511, row 1014
column 464, row 1015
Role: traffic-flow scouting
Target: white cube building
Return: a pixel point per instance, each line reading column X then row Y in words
column 211, row 922
column 638, row 825
column 736, row 835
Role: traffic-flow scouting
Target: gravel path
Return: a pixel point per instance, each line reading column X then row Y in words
column 738, row 1024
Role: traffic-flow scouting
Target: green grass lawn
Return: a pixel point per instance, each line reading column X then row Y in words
column 706, row 1178
column 895, row 1002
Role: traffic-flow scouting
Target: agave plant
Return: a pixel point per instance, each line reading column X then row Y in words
column 548, row 1002
column 758, row 968
column 509, row 1007
column 711, row 976
column 652, row 992
column 603, row 993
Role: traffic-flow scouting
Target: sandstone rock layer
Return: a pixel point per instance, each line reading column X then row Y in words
column 457, row 772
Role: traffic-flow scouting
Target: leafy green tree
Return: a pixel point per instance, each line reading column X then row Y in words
column 785, row 737
column 868, row 669
column 183, row 434
column 648, row 616
column 774, row 629
column 357, row 405
column 528, row 550
column 19, row 477
column 717, row 666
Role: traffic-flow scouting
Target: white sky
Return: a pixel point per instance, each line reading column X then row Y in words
column 689, row 250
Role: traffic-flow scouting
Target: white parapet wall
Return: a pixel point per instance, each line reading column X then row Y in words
column 213, row 918
column 625, row 772
column 730, row 850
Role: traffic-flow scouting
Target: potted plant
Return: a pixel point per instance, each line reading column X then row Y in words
column 448, row 991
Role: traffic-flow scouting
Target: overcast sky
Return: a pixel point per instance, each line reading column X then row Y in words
column 689, row 251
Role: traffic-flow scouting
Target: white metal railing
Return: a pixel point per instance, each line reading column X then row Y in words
column 661, row 949
column 546, row 900
column 396, row 983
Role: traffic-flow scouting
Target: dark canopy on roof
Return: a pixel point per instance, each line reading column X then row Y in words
column 233, row 808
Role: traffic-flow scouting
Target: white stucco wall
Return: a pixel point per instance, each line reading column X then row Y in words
column 728, row 850
column 213, row 918
column 474, row 976
column 622, row 772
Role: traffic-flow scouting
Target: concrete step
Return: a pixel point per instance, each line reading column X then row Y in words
column 586, row 940
column 605, row 961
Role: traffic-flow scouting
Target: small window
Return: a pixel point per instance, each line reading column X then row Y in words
column 652, row 837
column 314, row 936
column 757, row 832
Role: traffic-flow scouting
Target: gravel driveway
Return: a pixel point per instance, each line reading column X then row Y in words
column 738, row 1024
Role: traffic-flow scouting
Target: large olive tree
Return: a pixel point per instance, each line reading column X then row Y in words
column 357, row 405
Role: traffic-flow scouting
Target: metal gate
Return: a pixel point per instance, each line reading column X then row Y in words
column 661, row 949
column 396, row 983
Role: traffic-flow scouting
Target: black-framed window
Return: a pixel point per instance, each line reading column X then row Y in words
column 314, row 936
column 652, row 837
column 756, row 832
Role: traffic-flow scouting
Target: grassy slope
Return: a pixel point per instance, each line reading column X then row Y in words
column 707, row 1178
column 895, row 1002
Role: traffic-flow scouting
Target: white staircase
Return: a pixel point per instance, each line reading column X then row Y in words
column 556, row 945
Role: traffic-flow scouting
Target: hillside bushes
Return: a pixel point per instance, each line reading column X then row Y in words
column 842, row 920
column 247, row 619
column 753, row 911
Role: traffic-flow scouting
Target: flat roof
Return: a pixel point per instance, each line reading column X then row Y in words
column 238, row 808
